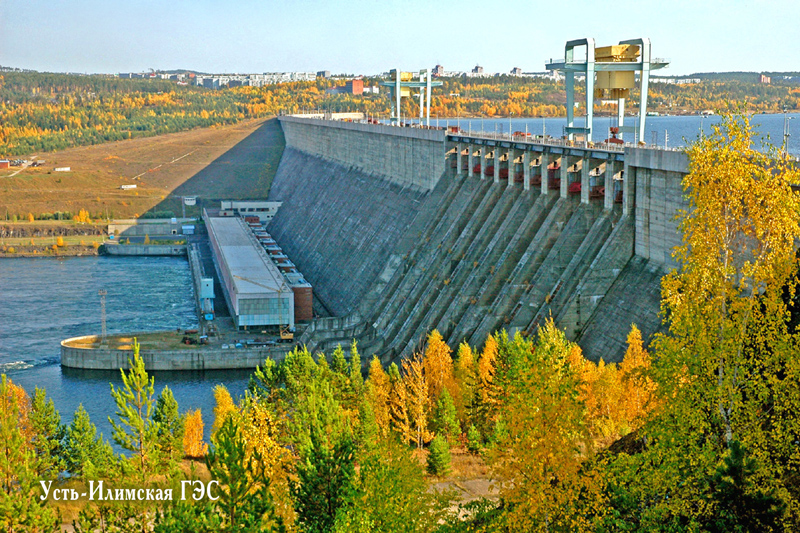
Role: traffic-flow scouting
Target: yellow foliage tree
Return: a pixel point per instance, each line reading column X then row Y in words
column 60, row 241
column 193, row 445
column 260, row 433
column 30, row 217
column 417, row 398
column 224, row 407
column 438, row 366
column 638, row 388
column 726, row 301
column 487, row 363
column 378, row 392
column 398, row 405
column 540, row 464
column 466, row 378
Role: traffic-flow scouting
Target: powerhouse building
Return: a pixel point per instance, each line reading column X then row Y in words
column 256, row 291
column 262, row 286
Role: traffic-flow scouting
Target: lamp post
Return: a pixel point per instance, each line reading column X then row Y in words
column 786, row 135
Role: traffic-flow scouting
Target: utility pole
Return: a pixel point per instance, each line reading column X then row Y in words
column 103, row 329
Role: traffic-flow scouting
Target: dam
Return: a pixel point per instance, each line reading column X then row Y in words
column 404, row 230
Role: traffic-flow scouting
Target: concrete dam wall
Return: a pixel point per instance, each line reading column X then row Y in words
column 338, row 224
column 411, row 158
column 394, row 257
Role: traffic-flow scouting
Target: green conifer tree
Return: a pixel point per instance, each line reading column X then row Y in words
column 169, row 429
column 245, row 502
column 136, row 431
column 85, row 454
column 445, row 418
column 438, row 462
column 47, row 435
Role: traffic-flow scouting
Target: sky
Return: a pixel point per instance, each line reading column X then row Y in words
column 360, row 37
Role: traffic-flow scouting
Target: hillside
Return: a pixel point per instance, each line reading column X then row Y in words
column 236, row 161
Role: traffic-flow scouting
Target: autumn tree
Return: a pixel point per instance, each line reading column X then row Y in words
column 416, row 393
column 541, row 461
column 438, row 366
column 638, row 388
column 193, row 445
column 467, row 381
column 487, row 396
column 21, row 508
column 726, row 371
column 398, row 405
column 245, row 502
column 223, row 408
column 378, row 390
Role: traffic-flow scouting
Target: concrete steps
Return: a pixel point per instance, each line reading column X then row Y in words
column 518, row 281
column 467, row 314
column 448, row 252
column 434, row 251
column 598, row 279
column 476, row 271
column 544, row 284
column 564, row 289
column 418, row 261
column 453, row 275
column 422, row 227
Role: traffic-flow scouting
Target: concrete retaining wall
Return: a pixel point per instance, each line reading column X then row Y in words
column 200, row 358
column 152, row 227
column 409, row 157
column 144, row 249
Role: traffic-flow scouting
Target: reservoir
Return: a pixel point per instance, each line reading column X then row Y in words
column 47, row 300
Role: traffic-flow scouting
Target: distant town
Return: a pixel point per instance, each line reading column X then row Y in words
column 354, row 84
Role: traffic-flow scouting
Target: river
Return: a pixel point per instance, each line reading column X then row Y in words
column 46, row 300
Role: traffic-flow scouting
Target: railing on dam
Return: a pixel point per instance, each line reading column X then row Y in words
column 460, row 135
column 453, row 133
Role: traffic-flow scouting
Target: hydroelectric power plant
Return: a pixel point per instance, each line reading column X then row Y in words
column 403, row 230
column 406, row 230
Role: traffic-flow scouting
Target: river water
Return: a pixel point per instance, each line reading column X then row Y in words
column 45, row 300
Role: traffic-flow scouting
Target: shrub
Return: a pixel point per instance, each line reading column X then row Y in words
column 474, row 441
column 439, row 456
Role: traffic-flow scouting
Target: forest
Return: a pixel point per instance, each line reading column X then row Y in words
column 41, row 112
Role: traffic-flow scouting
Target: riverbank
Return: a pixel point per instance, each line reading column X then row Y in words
column 54, row 251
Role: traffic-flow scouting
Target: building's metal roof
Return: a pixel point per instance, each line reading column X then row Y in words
column 253, row 273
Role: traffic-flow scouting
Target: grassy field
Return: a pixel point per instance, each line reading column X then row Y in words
column 237, row 162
